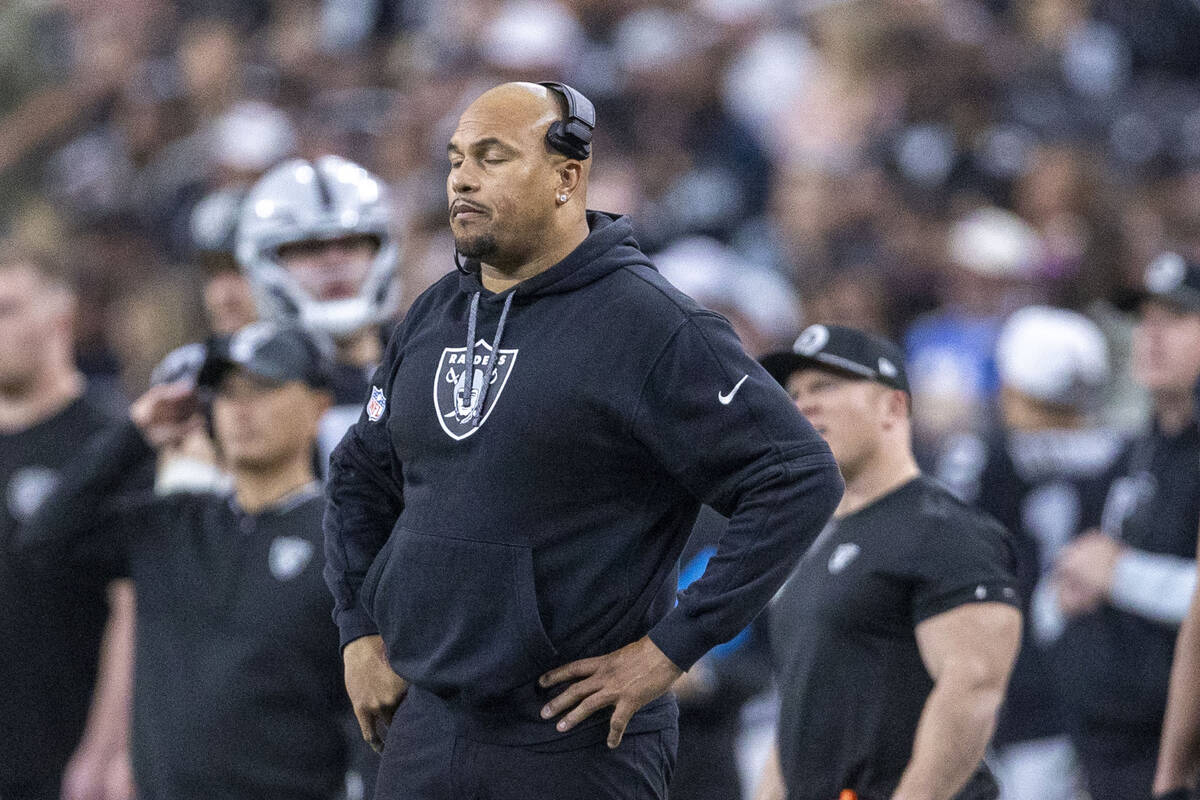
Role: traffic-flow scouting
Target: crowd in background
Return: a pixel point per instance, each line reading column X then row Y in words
column 788, row 161
column 919, row 168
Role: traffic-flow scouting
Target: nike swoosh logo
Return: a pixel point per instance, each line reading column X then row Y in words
column 726, row 399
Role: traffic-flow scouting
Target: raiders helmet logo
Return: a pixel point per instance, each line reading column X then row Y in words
column 453, row 397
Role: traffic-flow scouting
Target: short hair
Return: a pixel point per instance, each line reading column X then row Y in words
column 47, row 265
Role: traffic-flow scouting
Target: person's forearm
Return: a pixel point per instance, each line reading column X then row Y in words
column 1154, row 585
column 1179, row 751
column 956, row 724
column 773, row 524
column 108, row 719
column 770, row 782
column 362, row 504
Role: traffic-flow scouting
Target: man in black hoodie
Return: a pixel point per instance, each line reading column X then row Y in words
column 507, row 544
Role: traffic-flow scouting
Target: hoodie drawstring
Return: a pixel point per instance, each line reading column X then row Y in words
column 476, row 410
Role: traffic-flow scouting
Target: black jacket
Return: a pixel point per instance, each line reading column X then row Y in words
column 488, row 553
column 238, row 685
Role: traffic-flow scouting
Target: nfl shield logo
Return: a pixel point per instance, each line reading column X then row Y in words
column 453, row 397
column 376, row 404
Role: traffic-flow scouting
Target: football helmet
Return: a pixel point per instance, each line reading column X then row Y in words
column 325, row 199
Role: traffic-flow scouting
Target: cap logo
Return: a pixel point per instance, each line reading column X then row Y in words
column 1166, row 273
column 247, row 341
column 811, row 340
column 887, row 368
column 377, row 404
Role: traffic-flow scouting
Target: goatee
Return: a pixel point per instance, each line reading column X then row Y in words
column 477, row 247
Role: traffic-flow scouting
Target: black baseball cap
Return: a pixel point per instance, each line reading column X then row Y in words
column 847, row 351
column 276, row 352
column 1173, row 280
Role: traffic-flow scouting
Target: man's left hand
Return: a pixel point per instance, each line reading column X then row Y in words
column 626, row 680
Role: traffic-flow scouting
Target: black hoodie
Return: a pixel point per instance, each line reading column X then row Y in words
column 489, row 539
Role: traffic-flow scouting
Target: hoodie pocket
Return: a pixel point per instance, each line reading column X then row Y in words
column 460, row 617
column 371, row 580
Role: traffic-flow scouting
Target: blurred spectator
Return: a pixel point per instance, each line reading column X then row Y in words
column 1125, row 586
column 1043, row 472
column 51, row 622
column 761, row 306
column 994, row 256
column 228, row 303
column 714, row 692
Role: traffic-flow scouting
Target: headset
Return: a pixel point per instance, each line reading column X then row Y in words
column 572, row 137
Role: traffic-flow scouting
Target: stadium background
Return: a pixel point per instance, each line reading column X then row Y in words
column 916, row 167
column 807, row 160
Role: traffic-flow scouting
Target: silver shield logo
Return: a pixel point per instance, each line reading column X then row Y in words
column 452, row 398
column 843, row 554
column 289, row 556
column 28, row 489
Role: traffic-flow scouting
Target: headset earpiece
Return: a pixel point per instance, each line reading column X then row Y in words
column 573, row 136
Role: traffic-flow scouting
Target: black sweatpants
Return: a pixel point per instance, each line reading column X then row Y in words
column 431, row 762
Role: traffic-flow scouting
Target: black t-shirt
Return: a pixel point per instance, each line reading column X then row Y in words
column 51, row 621
column 851, row 679
column 1045, row 487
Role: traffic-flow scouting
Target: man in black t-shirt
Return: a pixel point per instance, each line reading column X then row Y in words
column 1125, row 586
column 894, row 638
column 237, row 692
column 317, row 241
column 52, row 622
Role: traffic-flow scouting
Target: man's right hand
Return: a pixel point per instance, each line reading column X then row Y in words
column 167, row 413
column 375, row 691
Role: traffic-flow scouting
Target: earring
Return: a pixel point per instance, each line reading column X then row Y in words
column 562, row 198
